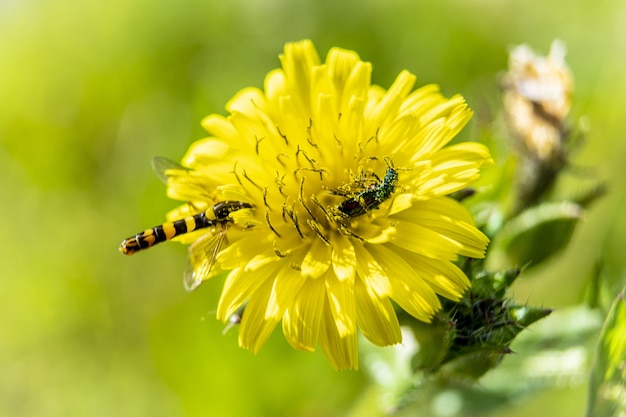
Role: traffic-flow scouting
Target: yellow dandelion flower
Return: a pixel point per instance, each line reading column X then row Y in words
column 344, row 211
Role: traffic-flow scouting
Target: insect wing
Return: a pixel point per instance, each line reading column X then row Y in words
column 161, row 165
column 201, row 258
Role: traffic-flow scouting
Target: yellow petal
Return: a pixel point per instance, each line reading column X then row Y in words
column 317, row 260
column 245, row 218
column 444, row 277
column 437, row 133
column 341, row 351
column 393, row 137
column 238, row 252
column 390, row 102
column 233, row 192
column 357, row 85
column 452, row 168
column 340, row 63
column 419, row 239
column 218, row 126
column 246, row 101
column 274, row 85
column 350, row 124
column 285, row 289
column 323, row 130
column 400, row 203
column 445, row 109
column 239, row 287
column 376, row 317
column 343, row 258
column 255, row 326
column 466, row 151
column 372, row 274
column 207, row 149
column 422, row 99
column 302, row 320
column 449, row 219
column 342, row 304
column 409, row 289
column 297, row 61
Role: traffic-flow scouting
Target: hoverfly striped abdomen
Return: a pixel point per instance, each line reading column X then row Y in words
column 165, row 231
column 218, row 214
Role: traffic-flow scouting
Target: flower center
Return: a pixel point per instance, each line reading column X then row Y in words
column 301, row 189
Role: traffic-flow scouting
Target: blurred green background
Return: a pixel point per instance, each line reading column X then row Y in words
column 90, row 91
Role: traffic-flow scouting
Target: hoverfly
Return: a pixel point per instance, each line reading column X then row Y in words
column 202, row 252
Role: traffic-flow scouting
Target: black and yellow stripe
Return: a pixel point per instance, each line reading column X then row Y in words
column 218, row 214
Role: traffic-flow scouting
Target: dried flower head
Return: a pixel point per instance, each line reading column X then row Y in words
column 537, row 98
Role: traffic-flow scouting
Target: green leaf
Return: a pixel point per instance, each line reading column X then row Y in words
column 525, row 316
column 494, row 283
column 607, row 391
column 535, row 235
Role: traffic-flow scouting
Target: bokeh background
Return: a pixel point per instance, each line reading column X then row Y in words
column 90, row 91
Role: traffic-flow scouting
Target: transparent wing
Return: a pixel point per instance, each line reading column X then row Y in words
column 161, row 165
column 201, row 258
